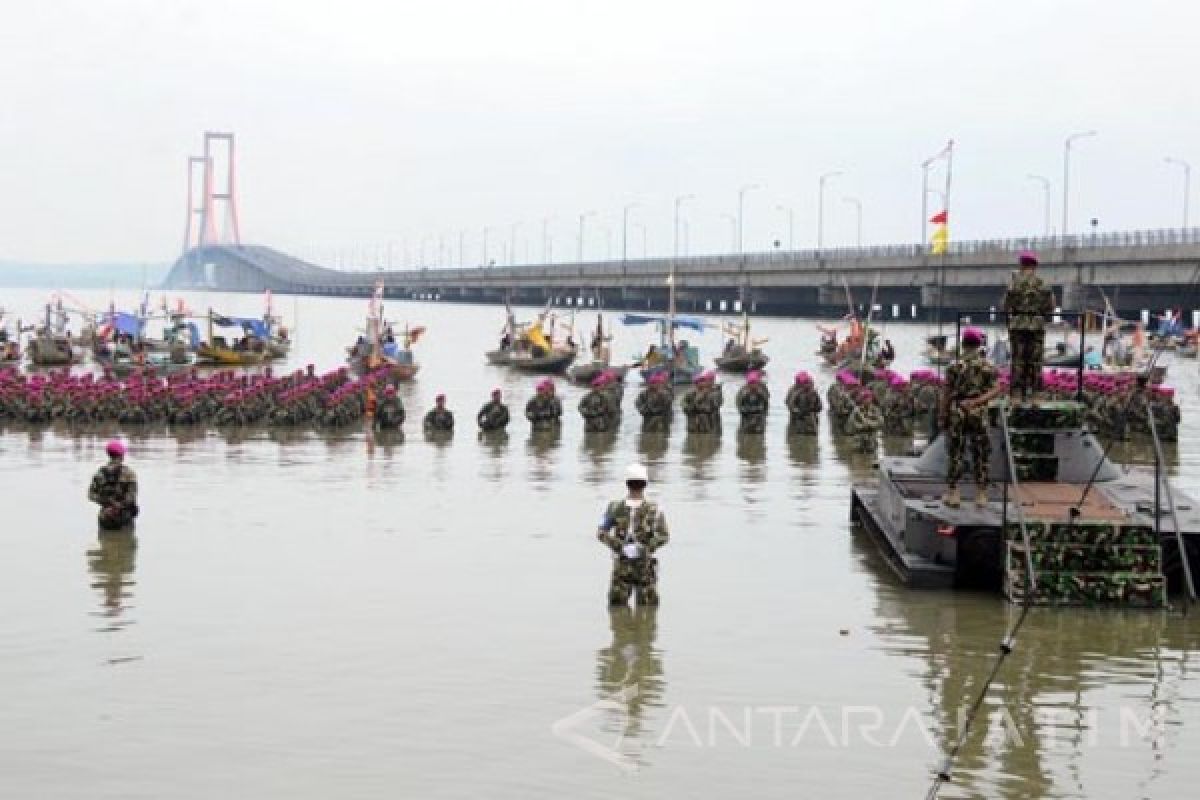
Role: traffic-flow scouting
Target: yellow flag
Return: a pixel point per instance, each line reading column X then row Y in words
column 940, row 241
column 536, row 337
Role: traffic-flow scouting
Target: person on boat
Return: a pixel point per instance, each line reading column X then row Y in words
column 652, row 357
column 730, row 346
column 634, row 528
column 390, row 348
column 439, row 419
column 753, row 401
column 864, row 422
column 971, row 383
column 887, row 353
column 1092, row 358
column 597, row 409
column 114, row 489
column 803, row 405
column 389, row 415
column 656, row 403
column 494, row 414
column 544, row 410
column 702, row 404
column 1027, row 302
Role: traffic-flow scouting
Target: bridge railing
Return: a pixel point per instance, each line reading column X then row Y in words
column 286, row 268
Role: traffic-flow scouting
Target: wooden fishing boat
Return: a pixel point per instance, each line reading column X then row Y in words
column 530, row 347
column 158, row 364
column 553, row 363
column 51, row 344
column 377, row 348
column 249, row 351
column 742, row 352
column 601, row 359
column 679, row 360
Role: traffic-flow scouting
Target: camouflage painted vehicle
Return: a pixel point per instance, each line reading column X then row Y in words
column 1095, row 548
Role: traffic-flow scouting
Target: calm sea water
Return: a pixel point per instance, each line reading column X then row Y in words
column 314, row 616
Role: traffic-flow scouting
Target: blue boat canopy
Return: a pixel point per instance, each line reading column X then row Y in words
column 691, row 323
column 126, row 324
column 256, row 327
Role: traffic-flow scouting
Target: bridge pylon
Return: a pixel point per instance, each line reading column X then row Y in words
column 212, row 219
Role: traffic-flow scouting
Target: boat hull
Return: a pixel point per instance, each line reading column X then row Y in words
column 224, row 357
column 743, row 363
column 553, row 364
column 586, row 373
column 678, row 376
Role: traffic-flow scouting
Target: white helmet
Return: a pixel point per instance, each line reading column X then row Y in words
column 636, row 472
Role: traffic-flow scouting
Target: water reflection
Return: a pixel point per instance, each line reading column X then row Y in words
column 542, row 449
column 752, row 448
column 111, row 565
column 597, row 449
column 803, row 450
column 698, row 452
column 652, row 446
column 850, row 451
column 1052, row 697
column 629, row 671
column 386, row 441
column 494, row 446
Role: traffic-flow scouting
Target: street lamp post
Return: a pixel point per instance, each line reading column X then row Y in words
column 640, row 227
column 854, row 201
column 583, row 217
column 679, row 201
column 625, row 229
column 546, row 239
column 821, row 206
column 462, row 238
column 791, row 216
column 1045, row 182
column 741, row 238
column 733, row 231
column 512, row 249
column 1187, row 183
column 486, row 231
column 1067, row 176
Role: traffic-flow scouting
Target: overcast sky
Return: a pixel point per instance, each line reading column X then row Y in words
column 363, row 123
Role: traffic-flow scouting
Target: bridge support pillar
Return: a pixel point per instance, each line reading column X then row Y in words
column 1074, row 296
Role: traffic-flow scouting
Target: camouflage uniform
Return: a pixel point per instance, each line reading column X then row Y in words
column 544, row 412
column 899, row 412
column 114, row 489
column 440, row 420
column 702, row 405
column 753, row 401
column 599, row 413
column 633, row 535
column 389, row 416
column 655, row 404
column 493, row 416
column 840, row 406
column 969, row 378
column 803, row 405
column 1027, row 302
column 863, row 424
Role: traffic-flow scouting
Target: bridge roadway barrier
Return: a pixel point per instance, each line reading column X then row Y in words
column 1137, row 270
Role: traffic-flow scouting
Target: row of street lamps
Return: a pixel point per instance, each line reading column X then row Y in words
column 737, row 223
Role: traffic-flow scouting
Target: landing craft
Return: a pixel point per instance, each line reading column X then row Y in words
column 1091, row 524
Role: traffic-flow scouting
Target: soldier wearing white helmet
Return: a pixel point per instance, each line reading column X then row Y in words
column 633, row 528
